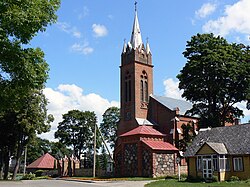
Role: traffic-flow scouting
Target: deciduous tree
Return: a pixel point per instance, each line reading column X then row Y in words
column 23, row 73
column 215, row 78
column 77, row 130
column 108, row 127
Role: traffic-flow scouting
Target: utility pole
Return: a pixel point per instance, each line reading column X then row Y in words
column 105, row 143
column 25, row 158
column 94, row 152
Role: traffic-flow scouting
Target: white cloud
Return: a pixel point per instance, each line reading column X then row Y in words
column 171, row 89
column 66, row 27
column 69, row 97
column 205, row 10
column 82, row 48
column 110, row 16
column 77, row 34
column 236, row 19
column 246, row 112
column 84, row 13
column 99, row 30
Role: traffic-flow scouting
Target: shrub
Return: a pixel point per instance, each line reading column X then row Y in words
column 55, row 175
column 247, row 181
column 234, row 178
column 29, row 176
column 215, row 178
column 170, row 177
column 184, row 176
column 194, row 179
column 39, row 173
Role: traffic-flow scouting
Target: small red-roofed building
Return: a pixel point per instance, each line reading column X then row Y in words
column 45, row 162
column 143, row 151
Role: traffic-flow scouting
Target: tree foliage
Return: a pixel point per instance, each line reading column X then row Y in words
column 38, row 147
column 77, row 130
column 188, row 133
column 23, row 73
column 108, row 127
column 215, row 78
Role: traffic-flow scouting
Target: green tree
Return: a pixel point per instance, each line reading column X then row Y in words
column 19, row 127
column 23, row 73
column 188, row 133
column 108, row 127
column 215, row 78
column 77, row 130
column 38, row 147
column 103, row 159
column 58, row 149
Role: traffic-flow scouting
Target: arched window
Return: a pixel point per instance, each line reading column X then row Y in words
column 146, row 91
column 127, row 87
column 144, row 87
column 141, row 90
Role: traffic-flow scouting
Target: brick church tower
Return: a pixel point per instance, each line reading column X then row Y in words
column 141, row 149
column 136, row 84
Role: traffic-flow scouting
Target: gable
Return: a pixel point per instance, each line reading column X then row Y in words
column 212, row 148
column 236, row 139
column 205, row 150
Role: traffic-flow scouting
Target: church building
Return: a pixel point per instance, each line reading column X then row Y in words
column 150, row 125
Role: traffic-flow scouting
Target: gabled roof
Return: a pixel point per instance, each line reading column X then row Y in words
column 173, row 104
column 219, row 148
column 236, row 139
column 143, row 130
column 160, row 145
column 44, row 162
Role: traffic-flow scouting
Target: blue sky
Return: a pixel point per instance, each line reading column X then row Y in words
column 83, row 48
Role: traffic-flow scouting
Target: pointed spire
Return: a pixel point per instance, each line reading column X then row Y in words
column 124, row 47
column 147, row 47
column 136, row 39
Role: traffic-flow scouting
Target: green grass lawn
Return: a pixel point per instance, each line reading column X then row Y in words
column 176, row 183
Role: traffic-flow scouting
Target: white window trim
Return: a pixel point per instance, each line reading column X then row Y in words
column 238, row 163
column 225, row 159
column 199, row 159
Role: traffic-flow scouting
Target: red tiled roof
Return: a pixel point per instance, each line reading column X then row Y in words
column 160, row 145
column 143, row 129
column 44, row 162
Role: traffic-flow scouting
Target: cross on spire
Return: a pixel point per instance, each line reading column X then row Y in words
column 135, row 5
column 136, row 39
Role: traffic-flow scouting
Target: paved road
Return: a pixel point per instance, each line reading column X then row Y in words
column 62, row 183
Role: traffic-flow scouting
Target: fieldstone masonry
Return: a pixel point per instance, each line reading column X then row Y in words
column 130, row 160
column 146, row 163
column 163, row 164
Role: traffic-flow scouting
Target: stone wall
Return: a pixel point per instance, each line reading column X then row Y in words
column 89, row 173
column 130, row 160
column 146, row 163
column 163, row 164
column 118, row 164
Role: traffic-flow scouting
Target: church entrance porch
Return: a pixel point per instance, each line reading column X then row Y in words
column 142, row 152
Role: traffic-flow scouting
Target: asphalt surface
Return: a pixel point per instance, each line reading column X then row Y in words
column 64, row 183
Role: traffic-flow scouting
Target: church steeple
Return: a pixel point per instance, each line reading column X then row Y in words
column 136, row 39
column 136, row 79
